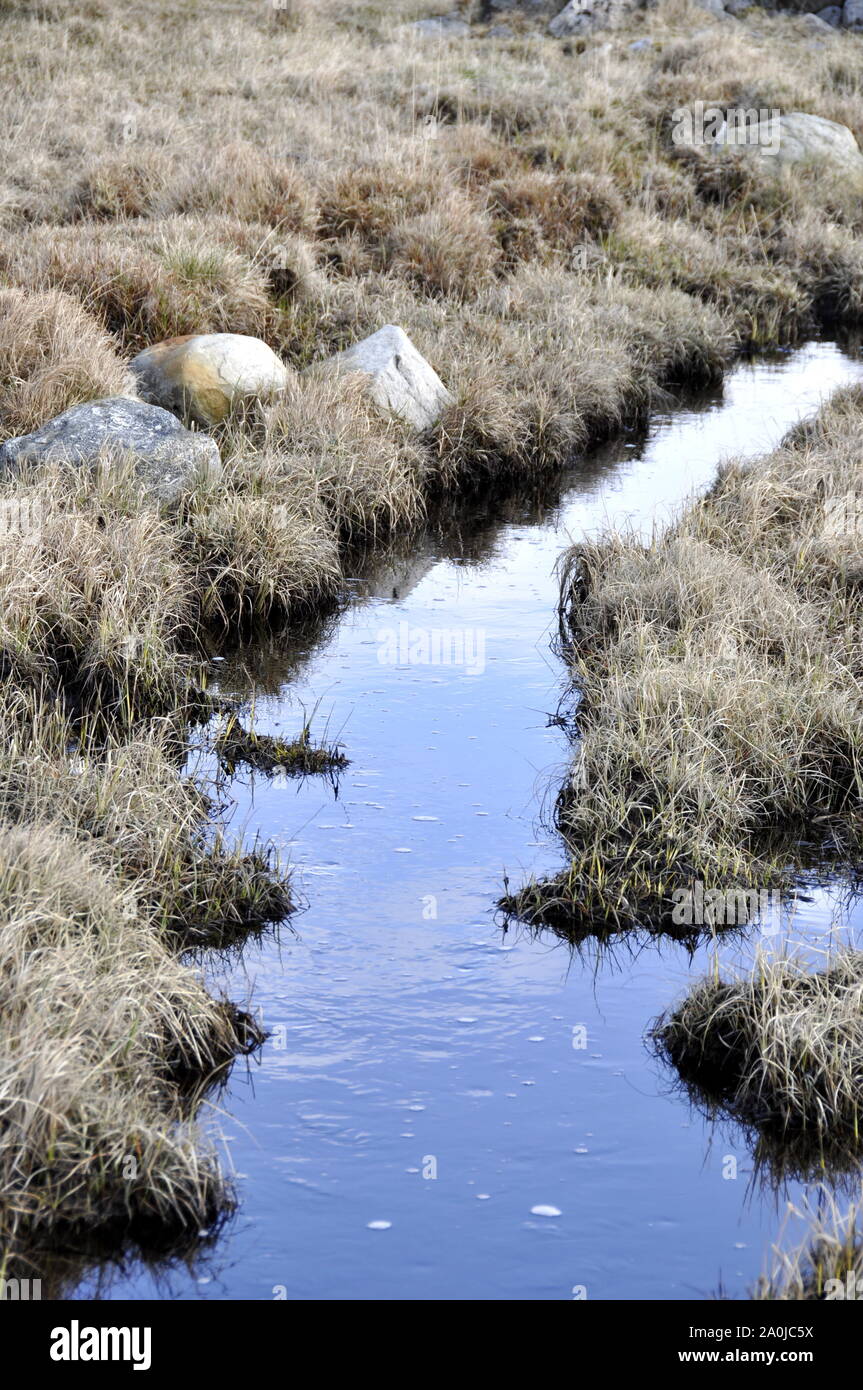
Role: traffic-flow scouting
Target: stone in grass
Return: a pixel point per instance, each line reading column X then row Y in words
column 203, row 376
column 832, row 15
column 578, row 17
column 777, row 143
column 804, row 138
column 167, row 458
column 399, row 378
column 442, row 26
column 817, row 27
column 585, row 16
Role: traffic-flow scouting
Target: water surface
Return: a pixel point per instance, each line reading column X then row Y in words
column 425, row 1069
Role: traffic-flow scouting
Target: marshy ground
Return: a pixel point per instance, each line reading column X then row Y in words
column 518, row 207
column 719, row 718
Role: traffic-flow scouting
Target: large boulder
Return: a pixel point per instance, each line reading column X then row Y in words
column 799, row 137
column 167, row 457
column 203, row 376
column 777, row 142
column 816, row 26
column 398, row 376
column 852, row 14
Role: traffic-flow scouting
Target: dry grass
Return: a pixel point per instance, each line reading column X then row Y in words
column 52, row 353
column 779, row 1051
column 828, row 1264
column 307, row 175
column 720, row 683
column 108, row 1042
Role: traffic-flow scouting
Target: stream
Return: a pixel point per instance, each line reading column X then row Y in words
column 425, row 1089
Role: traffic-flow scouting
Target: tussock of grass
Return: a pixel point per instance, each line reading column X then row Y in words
column 589, row 353
column 108, row 1043
column 53, row 355
column 147, row 280
column 718, row 669
column 828, row 1265
column 298, row 757
column 357, row 175
column 781, row 1052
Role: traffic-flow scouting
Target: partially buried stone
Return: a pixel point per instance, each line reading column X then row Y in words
column 165, row 456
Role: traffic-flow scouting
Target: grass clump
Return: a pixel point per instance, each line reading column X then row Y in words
column 779, row 1051
column 298, row 757
column 717, row 669
column 108, row 1041
column 828, row 1265
column 53, row 355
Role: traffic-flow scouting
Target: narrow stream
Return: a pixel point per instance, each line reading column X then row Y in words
column 422, row 1071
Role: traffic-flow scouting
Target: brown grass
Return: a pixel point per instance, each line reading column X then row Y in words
column 306, row 176
column 108, row 1042
column 828, row 1264
column 780, row 1052
column 53, row 354
column 720, row 684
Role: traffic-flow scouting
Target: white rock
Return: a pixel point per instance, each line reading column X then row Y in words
column 800, row 137
column 204, row 375
column 399, row 378
column 775, row 142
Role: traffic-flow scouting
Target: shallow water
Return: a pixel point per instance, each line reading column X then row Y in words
column 424, row 1070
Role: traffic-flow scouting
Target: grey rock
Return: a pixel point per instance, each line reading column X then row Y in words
column 442, row 26
column 398, row 376
column 777, row 143
column 578, row 17
column 716, row 7
column 832, row 15
column 738, row 7
column 816, row 26
column 640, row 45
column 167, row 457
column 852, row 14
column 587, row 16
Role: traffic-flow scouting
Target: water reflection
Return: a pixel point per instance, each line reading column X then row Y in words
column 405, row 1025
